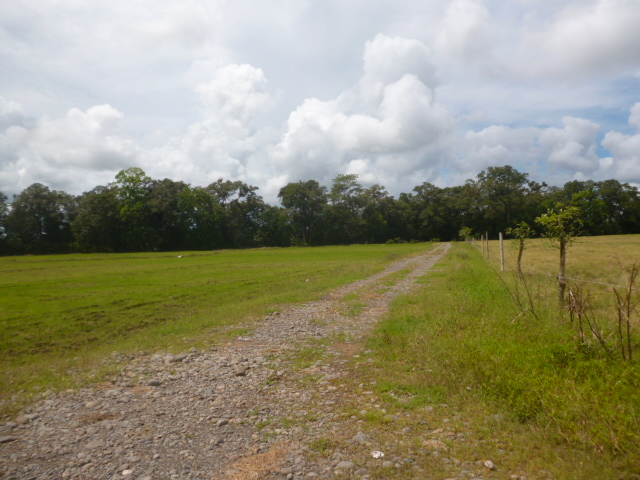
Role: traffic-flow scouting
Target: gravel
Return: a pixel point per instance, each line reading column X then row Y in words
column 244, row 409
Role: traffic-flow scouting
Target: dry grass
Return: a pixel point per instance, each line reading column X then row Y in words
column 256, row 466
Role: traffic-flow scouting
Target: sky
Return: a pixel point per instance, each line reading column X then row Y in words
column 276, row 91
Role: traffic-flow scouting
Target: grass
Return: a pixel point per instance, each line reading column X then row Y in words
column 544, row 400
column 62, row 314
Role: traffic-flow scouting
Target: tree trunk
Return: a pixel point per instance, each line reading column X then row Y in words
column 562, row 284
column 520, row 250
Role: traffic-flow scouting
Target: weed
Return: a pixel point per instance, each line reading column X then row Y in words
column 458, row 343
column 323, row 446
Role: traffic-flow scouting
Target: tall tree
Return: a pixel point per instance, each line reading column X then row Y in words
column 4, row 210
column 623, row 206
column 40, row 220
column 202, row 216
column 274, row 228
column 380, row 216
column 502, row 192
column 98, row 226
column 343, row 222
column 133, row 187
column 167, row 226
column 593, row 211
column 306, row 202
column 242, row 208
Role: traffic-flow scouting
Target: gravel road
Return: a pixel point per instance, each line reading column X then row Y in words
column 278, row 403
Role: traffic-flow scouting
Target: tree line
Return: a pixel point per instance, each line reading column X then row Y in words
column 138, row 213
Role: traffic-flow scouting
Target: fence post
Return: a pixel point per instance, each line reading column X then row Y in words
column 501, row 252
column 482, row 243
column 487, row 237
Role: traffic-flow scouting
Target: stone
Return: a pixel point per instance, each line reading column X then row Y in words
column 97, row 443
column 345, row 465
column 489, row 464
column 361, row 438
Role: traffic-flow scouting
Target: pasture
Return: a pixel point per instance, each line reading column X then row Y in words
column 61, row 315
column 509, row 358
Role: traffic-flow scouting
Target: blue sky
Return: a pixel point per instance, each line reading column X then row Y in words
column 274, row 91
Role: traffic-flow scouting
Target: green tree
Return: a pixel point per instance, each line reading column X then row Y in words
column 167, row 226
column 40, row 220
column 466, row 233
column 622, row 205
column 593, row 211
column 382, row 216
column 133, row 187
column 242, row 209
column 343, row 222
column 502, row 192
column 306, row 202
column 560, row 228
column 98, row 226
column 202, row 217
column 274, row 228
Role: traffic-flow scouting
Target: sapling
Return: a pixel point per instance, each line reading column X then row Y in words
column 560, row 228
column 520, row 234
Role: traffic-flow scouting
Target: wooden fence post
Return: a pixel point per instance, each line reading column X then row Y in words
column 487, row 237
column 501, row 252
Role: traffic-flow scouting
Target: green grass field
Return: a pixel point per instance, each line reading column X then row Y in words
column 61, row 314
column 535, row 394
column 546, row 399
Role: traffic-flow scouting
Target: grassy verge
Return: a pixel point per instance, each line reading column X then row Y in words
column 538, row 400
column 61, row 315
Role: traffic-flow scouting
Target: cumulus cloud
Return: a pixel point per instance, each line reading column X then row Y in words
column 625, row 161
column 569, row 150
column 389, row 122
column 64, row 151
column 587, row 37
column 573, row 147
column 465, row 32
column 225, row 141
column 11, row 113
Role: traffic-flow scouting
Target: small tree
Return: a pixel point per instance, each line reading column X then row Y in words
column 560, row 228
column 520, row 233
column 466, row 233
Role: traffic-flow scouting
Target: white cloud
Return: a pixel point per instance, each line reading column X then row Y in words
column 65, row 152
column 567, row 152
column 573, row 147
column 388, row 121
column 465, row 32
column 236, row 95
column 225, row 141
column 11, row 113
column 625, row 161
column 191, row 78
column 587, row 37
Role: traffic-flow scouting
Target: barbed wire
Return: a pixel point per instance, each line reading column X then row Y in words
column 574, row 279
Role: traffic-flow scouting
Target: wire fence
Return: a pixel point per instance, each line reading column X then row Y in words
column 529, row 269
column 581, row 280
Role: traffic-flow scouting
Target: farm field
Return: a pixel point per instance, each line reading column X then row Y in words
column 602, row 260
column 547, row 397
column 61, row 314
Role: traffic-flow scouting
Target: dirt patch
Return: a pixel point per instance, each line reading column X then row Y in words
column 254, row 467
